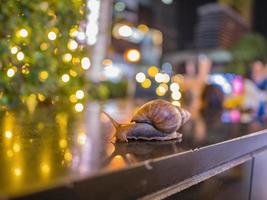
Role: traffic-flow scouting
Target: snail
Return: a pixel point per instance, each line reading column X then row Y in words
column 155, row 120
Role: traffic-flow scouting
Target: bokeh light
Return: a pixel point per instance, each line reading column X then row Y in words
column 86, row 63
column 79, row 94
column 65, row 78
column 152, row 71
column 52, row 35
column 79, row 107
column 140, row 77
column 146, row 83
column 132, row 55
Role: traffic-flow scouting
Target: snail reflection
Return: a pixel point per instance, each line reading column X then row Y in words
column 133, row 152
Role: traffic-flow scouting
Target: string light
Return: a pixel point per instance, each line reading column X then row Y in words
column 85, row 63
column 73, row 98
column 166, row 78
column 68, row 156
column 43, row 75
column 63, row 143
column 16, row 147
column 44, row 46
column 67, row 57
column 20, row 56
column 10, row 72
column 23, row 33
column 52, row 35
column 79, row 107
column 17, row 171
column 79, row 94
column 65, row 78
column 81, row 139
column 8, row 134
column 73, row 73
column 140, row 77
column 72, row 45
column 41, row 97
column 14, row 50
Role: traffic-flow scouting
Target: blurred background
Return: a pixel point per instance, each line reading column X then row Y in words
column 64, row 61
column 206, row 55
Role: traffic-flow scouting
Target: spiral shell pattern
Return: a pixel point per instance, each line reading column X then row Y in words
column 162, row 115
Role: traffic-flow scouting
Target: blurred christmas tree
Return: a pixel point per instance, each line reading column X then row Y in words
column 40, row 56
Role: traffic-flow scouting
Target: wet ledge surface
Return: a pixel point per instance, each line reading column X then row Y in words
column 74, row 153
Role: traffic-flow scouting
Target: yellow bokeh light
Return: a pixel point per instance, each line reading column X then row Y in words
column 176, row 103
column 20, row 56
column 86, row 63
column 107, row 62
column 146, row 83
column 142, row 27
column 79, row 107
column 63, row 143
column 10, row 72
column 65, row 78
column 160, row 91
column 72, row 45
column 68, row 156
column 178, row 78
column 140, row 77
column 52, row 35
column 79, row 94
column 152, row 71
column 176, row 95
column 23, row 33
column 76, row 61
column 9, row 153
column 16, row 147
column 73, row 32
column 132, row 55
column 14, row 50
column 8, row 134
column 67, row 57
column 45, row 168
column 73, row 98
column 17, row 172
column 43, row 75
column 41, row 97
column 73, row 73
column 44, row 46
column 166, row 87
column 25, row 69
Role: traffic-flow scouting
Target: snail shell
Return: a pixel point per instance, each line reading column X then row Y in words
column 162, row 115
column 155, row 120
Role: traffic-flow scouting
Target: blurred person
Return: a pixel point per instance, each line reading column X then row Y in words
column 195, row 81
column 259, row 73
column 259, row 77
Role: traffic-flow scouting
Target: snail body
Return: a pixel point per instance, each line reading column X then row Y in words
column 155, row 120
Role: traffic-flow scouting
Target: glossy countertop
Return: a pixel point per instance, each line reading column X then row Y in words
column 53, row 145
